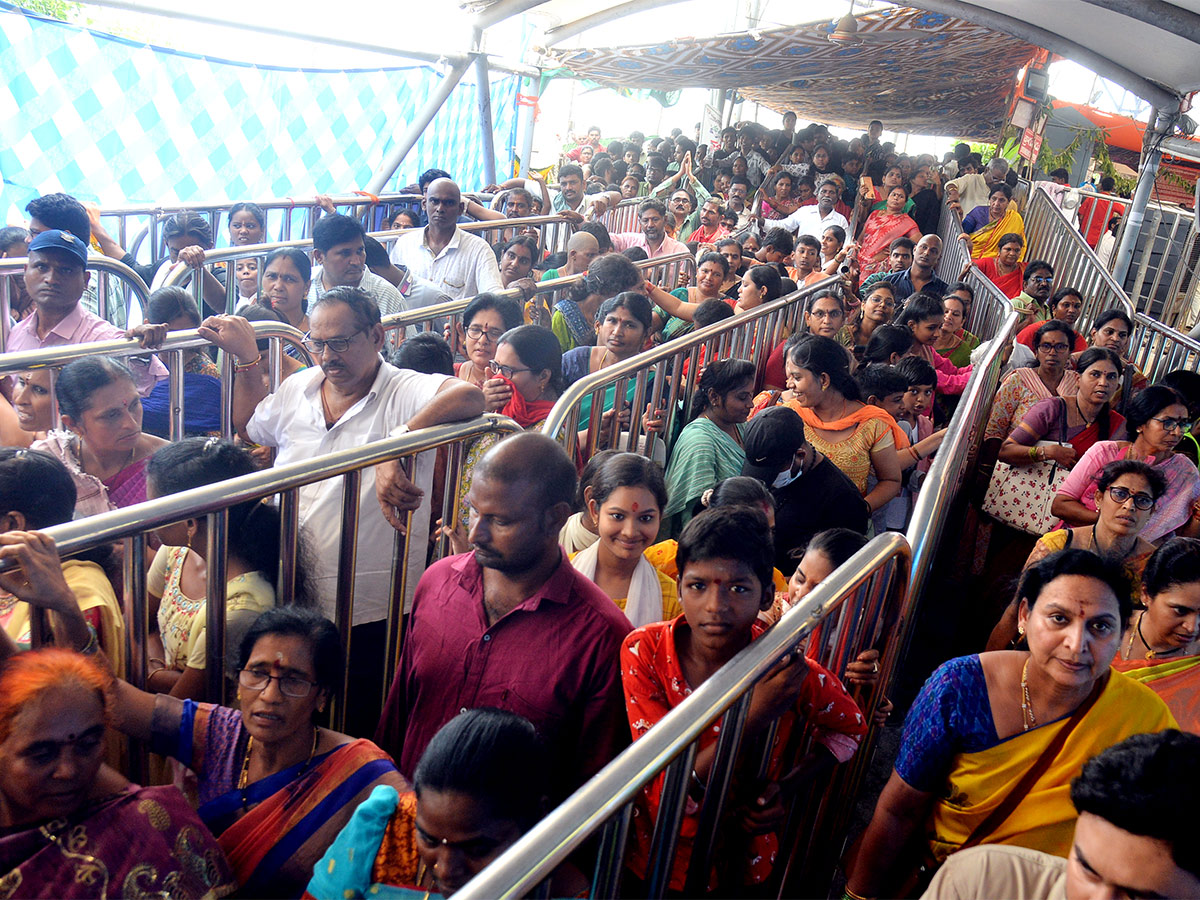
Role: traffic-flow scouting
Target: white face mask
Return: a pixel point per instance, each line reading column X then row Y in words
column 784, row 478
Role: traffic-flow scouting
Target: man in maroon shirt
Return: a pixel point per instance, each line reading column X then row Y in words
column 513, row 625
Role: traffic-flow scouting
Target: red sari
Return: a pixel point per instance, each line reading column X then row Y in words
column 880, row 230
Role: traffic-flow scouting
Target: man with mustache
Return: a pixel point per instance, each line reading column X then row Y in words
column 349, row 398
column 514, row 625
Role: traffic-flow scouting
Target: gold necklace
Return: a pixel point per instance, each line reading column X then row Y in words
column 244, row 777
column 1028, row 720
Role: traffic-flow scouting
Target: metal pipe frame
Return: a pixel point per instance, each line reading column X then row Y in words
column 417, row 126
column 1135, row 212
column 430, row 56
column 1160, row 14
column 105, row 267
column 535, row 855
column 560, row 33
column 1055, row 43
column 483, row 102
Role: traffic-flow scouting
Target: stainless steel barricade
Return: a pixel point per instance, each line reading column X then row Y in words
column 865, row 592
column 133, row 523
column 622, row 217
column 1050, row 237
column 665, row 377
column 173, row 349
column 114, row 281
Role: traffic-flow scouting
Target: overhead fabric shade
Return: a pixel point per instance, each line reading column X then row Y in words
column 949, row 77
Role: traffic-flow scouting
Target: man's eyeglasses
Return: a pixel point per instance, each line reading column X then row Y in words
column 1054, row 348
column 290, row 685
column 475, row 332
column 1041, row 279
column 507, row 371
column 337, row 345
column 1172, row 424
column 1122, row 495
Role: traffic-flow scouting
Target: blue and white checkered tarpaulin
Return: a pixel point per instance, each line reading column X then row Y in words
column 122, row 123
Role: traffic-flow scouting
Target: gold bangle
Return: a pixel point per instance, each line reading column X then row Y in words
column 240, row 367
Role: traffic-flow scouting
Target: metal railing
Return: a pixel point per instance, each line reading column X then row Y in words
column 553, row 233
column 1157, row 349
column 866, row 591
column 990, row 306
column 660, row 378
column 622, row 217
column 139, row 227
column 132, row 524
column 100, row 294
column 1050, row 236
column 176, row 344
column 664, row 271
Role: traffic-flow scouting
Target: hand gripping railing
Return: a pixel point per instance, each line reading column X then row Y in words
column 1050, row 236
column 129, row 284
column 173, row 348
column 865, row 592
column 664, row 271
column 133, row 523
column 659, row 374
column 622, row 217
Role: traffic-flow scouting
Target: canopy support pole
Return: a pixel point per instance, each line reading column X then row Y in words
column 560, row 33
column 483, row 99
column 417, row 127
column 1136, row 215
column 1158, row 13
column 532, row 94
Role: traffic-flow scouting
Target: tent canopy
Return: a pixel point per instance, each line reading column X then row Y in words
column 939, row 76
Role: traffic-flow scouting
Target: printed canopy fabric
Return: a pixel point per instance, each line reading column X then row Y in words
column 952, row 77
column 119, row 122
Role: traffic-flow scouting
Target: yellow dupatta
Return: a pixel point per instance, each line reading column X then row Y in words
column 1045, row 818
column 986, row 241
column 1177, row 681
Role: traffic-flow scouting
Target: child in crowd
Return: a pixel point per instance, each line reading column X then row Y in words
column 725, row 559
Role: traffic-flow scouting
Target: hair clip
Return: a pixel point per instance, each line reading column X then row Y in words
column 210, row 443
column 705, row 497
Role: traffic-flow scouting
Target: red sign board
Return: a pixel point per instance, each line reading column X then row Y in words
column 1031, row 144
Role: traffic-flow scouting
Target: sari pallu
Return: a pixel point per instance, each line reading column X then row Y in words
column 138, row 843
column 1044, row 819
column 878, row 233
column 986, row 241
column 1177, row 681
column 293, row 816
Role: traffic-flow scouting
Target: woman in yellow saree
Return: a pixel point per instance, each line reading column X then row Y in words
column 992, row 741
column 1002, row 220
column 1162, row 648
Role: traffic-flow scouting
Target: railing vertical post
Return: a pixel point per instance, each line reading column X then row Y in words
column 216, row 558
column 666, row 827
column 137, row 614
column 399, row 585
column 5, row 309
column 175, row 393
column 289, row 545
column 344, row 604
column 606, row 882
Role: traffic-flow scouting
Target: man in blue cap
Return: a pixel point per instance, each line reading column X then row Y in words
column 56, row 276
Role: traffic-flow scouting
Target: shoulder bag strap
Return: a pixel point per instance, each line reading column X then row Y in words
column 996, row 818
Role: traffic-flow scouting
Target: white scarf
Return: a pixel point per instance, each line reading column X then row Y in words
column 574, row 536
column 644, row 603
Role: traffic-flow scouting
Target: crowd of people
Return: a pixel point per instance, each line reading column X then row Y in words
column 588, row 594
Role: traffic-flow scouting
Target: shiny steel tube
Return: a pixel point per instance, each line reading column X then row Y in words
column 101, row 264
column 343, row 616
column 666, row 826
column 610, row 861
column 548, row 843
column 216, row 559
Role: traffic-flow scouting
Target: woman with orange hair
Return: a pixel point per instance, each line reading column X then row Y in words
column 67, row 826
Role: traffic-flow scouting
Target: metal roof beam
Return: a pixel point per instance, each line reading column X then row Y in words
column 1148, row 90
column 450, row 58
column 1159, row 13
column 569, row 29
column 504, row 9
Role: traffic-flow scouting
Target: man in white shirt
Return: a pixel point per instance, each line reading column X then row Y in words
column 457, row 263
column 653, row 238
column 969, row 191
column 342, row 262
column 815, row 219
column 350, row 398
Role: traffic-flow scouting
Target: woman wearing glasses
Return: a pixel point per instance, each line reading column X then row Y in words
column 272, row 785
column 1027, row 385
column 1157, row 418
column 484, row 322
column 1126, row 494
